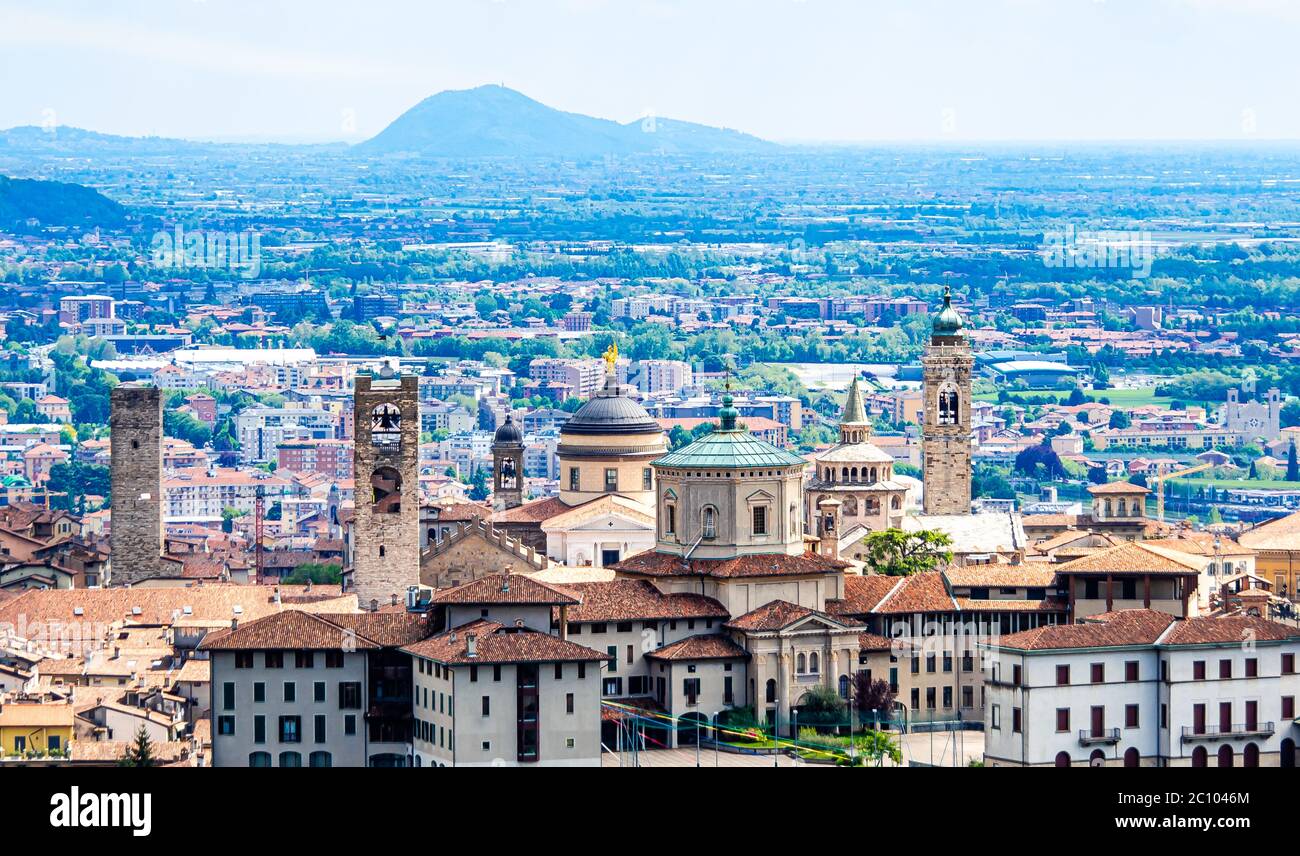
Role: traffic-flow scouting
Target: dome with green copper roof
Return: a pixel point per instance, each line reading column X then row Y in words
column 729, row 446
column 949, row 321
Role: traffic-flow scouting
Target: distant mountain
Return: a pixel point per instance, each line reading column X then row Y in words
column 492, row 121
column 68, row 141
column 54, row 203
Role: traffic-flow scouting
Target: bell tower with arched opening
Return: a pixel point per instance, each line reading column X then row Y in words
column 386, row 530
column 946, row 428
column 508, row 466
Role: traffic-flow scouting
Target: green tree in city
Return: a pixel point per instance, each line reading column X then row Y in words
column 140, row 752
column 897, row 553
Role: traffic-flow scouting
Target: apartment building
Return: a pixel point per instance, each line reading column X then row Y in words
column 203, row 493
column 489, row 694
column 1139, row 687
column 297, row 689
column 261, row 430
column 583, row 377
column 329, row 457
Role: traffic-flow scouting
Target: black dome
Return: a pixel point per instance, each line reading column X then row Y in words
column 509, row 432
column 611, row 412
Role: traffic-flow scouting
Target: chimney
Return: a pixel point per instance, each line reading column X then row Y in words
column 309, row 584
column 394, row 598
column 234, row 624
column 471, row 645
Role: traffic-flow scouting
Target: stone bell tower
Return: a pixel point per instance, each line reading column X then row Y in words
column 946, row 428
column 508, row 466
column 386, row 450
column 135, row 468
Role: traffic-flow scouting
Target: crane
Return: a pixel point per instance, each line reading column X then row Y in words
column 1162, row 477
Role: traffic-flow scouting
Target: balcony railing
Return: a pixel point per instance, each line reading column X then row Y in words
column 1093, row 736
column 1236, row 729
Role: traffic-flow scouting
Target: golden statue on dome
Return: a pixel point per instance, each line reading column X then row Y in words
column 611, row 357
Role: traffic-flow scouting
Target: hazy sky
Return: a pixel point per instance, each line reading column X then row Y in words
column 812, row 70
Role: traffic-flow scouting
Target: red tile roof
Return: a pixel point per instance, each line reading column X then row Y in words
column 655, row 564
column 497, row 643
column 862, row 593
column 707, row 646
column 780, row 614
column 507, row 588
column 1110, row 630
column 1232, row 629
column 531, row 512
column 628, row 600
column 924, row 592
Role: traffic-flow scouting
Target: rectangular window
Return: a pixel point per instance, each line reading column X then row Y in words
column 290, row 691
column 487, row 705
column 259, row 729
column 612, row 650
column 259, row 692
column 350, row 725
column 333, row 659
column 647, row 479
column 228, row 696
column 304, row 659
column 318, row 691
column 1062, row 676
column 226, row 725
column 1288, row 707
column 1131, row 670
column 568, row 702
column 760, row 519
column 1198, row 670
column 995, row 717
column 930, row 697
column 611, row 479
column 1130, row 716
column 349, row 695
column 947, row 697
column 290, row 729
column 1252, row 667
column 274, row 659
column 1098, row 673
column 1225, row 669
column 243, row 659
column 318, row 727
column 573, row 478
column 1062, row 719
column 1015, row 674
column 1288, row 664
column 1015, row 720
column 670, row 519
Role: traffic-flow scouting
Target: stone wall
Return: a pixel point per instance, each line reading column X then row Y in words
column 475, row 551
column 135, row 444
column 386, row 556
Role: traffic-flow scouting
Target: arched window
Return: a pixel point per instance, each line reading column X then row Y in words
column 844, row 473
column 948, row 405
column 506, row 478
column 844, row 686
column 801, row 664
column 771, row 691
column 895, row 503
column 1097, row 758
column 853, row 474
column 259, row 759
column 1062, row 759
column 1106, row 505
column 322, row 759
column 290, row 759
column 1225, row 755
column 814, row 663
column 1200, row 757
column 710, row 522
column 386, row 484
column 873, row 475
column 1250, row 757
column 1288, row 753
column 1132, row 757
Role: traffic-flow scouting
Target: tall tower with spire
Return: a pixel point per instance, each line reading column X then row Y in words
column 854, row 425
column 946, row 429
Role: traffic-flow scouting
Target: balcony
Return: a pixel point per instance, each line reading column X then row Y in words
column 1235, row 731
column 1098, row 736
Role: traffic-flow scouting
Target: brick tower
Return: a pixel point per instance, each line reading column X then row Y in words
column 386, row 529
column 135, row 444
column 946, row 425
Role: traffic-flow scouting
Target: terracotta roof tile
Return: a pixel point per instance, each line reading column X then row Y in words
column 505, row 589
column 652, row 563
column 1132, row 557
column 924, row 592
column 1110, row 630
column 862, row 593
column 1232, row 629
column 780, row 614
column 707, row 646
column 628, row 600
column 496, row 643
